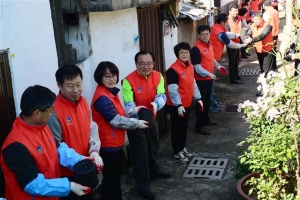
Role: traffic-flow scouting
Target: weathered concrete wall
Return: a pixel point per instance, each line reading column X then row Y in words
column 26, row 29
column 170, row 39
column 113, row 38
column 76, row 6
column 187, row 30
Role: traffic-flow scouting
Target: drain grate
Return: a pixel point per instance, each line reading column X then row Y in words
column 207, row 168
column 249, row 72
column 231, row 108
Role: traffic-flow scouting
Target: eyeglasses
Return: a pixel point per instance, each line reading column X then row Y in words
column 149, row 64
column 50, row 110
column 185, row 53
column 112, row 77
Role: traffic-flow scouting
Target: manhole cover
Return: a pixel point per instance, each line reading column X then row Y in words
column 231, row 108
column 207, row 168
column 249, row 72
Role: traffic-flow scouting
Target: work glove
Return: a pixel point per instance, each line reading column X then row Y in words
column 143, row 124
column 181, row 111
column 95, row 157
column 138, row 108
column 247, row 40
column 153, row 108
column 212, row 76
column 79, row 189
column 222, row 70
column 200, row 103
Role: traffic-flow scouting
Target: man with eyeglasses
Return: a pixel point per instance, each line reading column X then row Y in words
column 144, row 87
column 202, row 57
column 71, row 121
column 30, row 156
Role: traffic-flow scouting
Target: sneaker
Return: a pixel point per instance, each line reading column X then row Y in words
column 214, row 108
column 203, row 131
column 218, row 103
column 181, row 158
column 186, row 153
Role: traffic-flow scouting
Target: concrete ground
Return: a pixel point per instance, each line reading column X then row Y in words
column 223, row 143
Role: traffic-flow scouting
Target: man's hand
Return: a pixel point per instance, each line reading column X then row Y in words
column 200, row 103
column 95, row 157
column 181, row 111
column 222, row 70
column 153, row 108
column 138, row 108
column 79, row 189
column 237, row 35
column 212, row 76
column 143, row 124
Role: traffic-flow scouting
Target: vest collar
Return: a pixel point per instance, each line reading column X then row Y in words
column 221, row 27
column 114, row 91
column 68, row 101
column 261, row 24
column 34, row 128
column 146, row 77
column 203, row 43
column 180, row 62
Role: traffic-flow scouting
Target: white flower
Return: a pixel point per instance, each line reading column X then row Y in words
column 271, row 113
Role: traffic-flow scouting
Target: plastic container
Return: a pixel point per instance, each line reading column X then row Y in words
column 85, row 173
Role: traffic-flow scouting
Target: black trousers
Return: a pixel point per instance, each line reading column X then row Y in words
column 297, row 67
column 179, row 126
column 275, row 38
column 233, row 62
column 202, row 116
column 73, row 196
column 112, row 171
column 265, row 61
column 144, row 145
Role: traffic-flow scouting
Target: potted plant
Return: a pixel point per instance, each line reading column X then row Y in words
column 273, row 141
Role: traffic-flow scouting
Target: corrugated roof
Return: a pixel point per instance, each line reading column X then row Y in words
column 193, row 11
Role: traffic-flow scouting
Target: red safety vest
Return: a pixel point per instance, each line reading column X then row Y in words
column 40, row 143
column 255, row 5
column 74, row 119
column 274, row 21
column 144, row 89
column 265, row 45
column 109, row 136
column 185, row 83
column 207, row 59
column 235, row 27
column 216, row 29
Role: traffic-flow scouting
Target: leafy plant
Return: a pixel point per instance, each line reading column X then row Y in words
column 274, row 138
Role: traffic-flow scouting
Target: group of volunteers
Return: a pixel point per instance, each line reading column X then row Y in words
column 54, row 132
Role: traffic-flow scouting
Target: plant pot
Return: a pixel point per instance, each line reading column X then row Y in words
column 242, row 188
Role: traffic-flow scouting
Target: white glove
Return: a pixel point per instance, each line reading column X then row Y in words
column 200, row 103
column 248, row 40
column 95, row 157
column 153, row 108
column 212, row 76
column 79, row 189
column 143, row 124
column 138, row 108
column 181, row 111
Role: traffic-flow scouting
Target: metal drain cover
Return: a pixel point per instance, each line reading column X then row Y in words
column 207, row 168
column 249, row 72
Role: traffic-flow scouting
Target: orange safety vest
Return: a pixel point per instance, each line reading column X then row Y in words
column 74, row 119
column 216, row 29
column 40, row 143
column 207, row 59
column 144, row 89
column 235, row 27
column 109, row 136
column 274, row 21
column 255, row 5
column 265, row 45
column 185, row 83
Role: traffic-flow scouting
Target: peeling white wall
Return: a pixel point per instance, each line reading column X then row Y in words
column 170, row 39
column 27, row 30
column 112, row 37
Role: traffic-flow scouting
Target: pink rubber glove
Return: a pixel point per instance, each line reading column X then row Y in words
column 222, row 70
column 99, row 167
column 153, row 108
column 200, row 103
column 80, row 190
